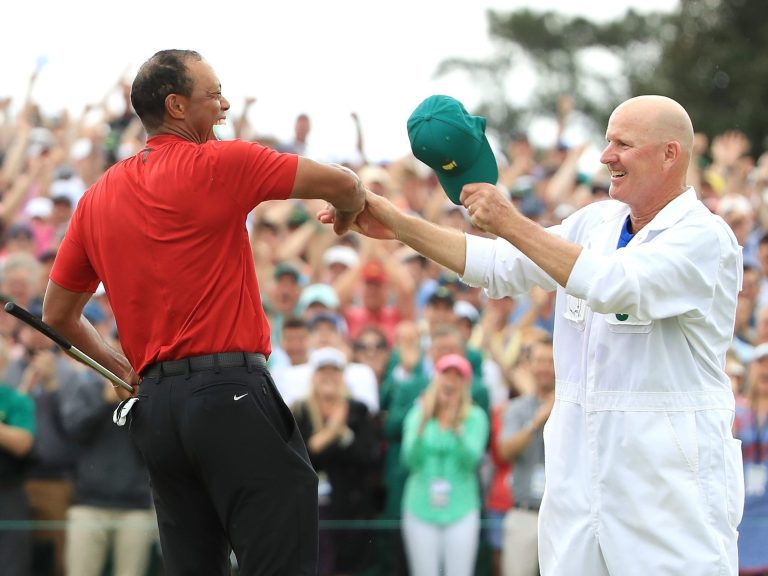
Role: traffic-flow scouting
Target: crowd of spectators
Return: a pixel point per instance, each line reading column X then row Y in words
column 420, row 400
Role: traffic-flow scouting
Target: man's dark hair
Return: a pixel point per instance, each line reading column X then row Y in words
column 163, row 74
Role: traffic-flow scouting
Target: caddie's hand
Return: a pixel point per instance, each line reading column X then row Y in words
column 377, row 219
column 488, row 207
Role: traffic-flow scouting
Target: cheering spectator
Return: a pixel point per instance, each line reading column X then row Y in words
column 17, row 430
column 47, row 376
column 112, row 502
column 751, row 427
column 444, row 438
column 342, row 444
column 522, row 445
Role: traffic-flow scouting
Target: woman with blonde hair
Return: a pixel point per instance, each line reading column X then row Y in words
column 343, row 447
column 444, row 439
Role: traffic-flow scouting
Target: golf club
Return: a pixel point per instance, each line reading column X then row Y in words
column 35, row 322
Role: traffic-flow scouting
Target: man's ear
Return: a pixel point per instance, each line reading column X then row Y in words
column 672, row 152
column 175, row 106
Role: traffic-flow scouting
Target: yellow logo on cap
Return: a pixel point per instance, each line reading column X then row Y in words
column 450, row 166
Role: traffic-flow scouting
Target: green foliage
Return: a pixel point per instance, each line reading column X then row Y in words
column 707, row 54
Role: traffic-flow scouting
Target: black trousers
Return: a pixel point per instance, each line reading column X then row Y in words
column 228, row 468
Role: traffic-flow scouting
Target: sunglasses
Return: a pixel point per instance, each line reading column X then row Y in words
column 369, row 347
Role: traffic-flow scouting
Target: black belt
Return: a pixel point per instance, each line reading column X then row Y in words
column 206, row 362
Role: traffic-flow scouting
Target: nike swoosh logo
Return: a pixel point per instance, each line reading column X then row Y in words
column 241, row 396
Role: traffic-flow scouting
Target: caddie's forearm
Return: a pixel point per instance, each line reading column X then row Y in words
column 554, row 255
column 445, row 246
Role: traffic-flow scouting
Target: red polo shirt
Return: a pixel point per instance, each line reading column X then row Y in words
column 165, row 232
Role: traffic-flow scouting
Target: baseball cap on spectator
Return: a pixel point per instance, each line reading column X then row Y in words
column 376, row 175
column 71, row 188
column 39, row 207
column 329, row 318
column 61, row 199
column 318, row 294
column 19, row 230
column 452, row 279
column 464, row 309
column 441, row 294
column 374, row 272
column 80, row 149
column 455, row 362
column 445, row 137
column 339, row 254
column 297, row 217
column 285, row 268
column 328, row 356
column 760, row 351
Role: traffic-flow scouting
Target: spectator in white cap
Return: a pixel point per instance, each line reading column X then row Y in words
column 338, row 267
column 317, row 298
column 326, row 331
column 339, row 258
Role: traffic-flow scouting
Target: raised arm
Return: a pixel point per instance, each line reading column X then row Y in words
column 384, row 221
column 335, row 184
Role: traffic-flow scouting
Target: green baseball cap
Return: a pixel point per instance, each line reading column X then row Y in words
column 449, row 140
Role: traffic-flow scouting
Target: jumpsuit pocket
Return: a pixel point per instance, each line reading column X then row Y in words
column 683, row 425
column 628, row 324
column 734, row 481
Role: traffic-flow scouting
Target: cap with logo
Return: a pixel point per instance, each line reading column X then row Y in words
column 452, row 142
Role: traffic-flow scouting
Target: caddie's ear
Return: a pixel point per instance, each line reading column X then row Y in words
column 175, row 106
column 672, row 152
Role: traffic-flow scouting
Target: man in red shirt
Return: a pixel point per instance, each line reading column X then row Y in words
column 380, row 279
column 164, row 231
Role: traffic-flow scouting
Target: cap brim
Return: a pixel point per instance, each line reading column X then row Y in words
column 485, row 169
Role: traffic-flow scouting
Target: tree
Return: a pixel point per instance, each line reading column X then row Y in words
column 707, row 54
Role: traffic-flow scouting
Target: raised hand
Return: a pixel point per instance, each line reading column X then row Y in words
column 488, row 208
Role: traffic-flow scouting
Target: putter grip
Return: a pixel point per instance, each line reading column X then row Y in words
column 37, row 324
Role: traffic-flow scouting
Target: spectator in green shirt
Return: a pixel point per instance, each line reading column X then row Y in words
column 17, row 432
column 444, row 439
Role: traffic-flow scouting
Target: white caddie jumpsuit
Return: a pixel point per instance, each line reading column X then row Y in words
column 643, row 475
